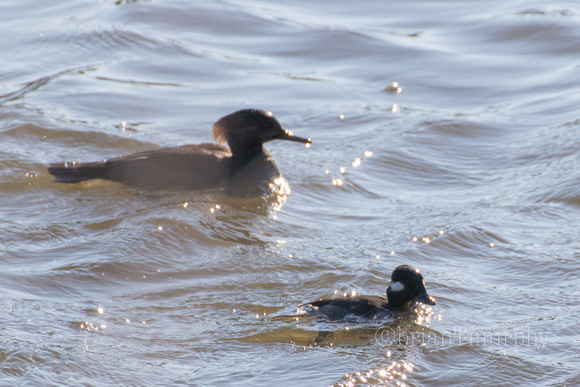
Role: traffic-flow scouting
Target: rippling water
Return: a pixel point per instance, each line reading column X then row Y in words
column 467, row 168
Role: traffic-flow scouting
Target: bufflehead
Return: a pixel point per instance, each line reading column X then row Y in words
column 242, row 165
column 407, row 287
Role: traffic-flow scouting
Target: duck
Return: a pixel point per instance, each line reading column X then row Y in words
column 237, row 163
column 407, row 287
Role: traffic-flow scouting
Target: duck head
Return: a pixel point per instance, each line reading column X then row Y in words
column 246, row 130
column 407, row 286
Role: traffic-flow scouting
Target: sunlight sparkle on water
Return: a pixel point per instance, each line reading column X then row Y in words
column 395, row 108
column 424, row 314
column 368, row 153
column 337, row 182
column 396, row 372
column 281, row 189
column 89, row 326
column 394, row 88
column 356, row 162
column 100, row 310
column 342, row 169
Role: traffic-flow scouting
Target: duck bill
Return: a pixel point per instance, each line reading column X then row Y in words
column 425, row 299
column 288, row 136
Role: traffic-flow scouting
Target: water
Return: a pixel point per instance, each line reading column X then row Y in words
column 470, row 172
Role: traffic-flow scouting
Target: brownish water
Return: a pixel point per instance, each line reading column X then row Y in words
column 471, row 173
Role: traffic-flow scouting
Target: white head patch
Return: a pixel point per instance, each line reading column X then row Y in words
column 397, row 286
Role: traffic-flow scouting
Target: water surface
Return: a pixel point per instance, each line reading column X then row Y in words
column 468, row 169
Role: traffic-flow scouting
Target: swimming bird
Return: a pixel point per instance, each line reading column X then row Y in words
column 243, row 165
column 407, row 287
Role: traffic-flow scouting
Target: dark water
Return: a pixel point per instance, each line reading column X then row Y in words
column 470, row 172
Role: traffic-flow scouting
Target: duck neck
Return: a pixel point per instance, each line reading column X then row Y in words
column 398, row 301
column 245, row 154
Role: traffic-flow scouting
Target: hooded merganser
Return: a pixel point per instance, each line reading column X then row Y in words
column 407, row 287
column 241, row 166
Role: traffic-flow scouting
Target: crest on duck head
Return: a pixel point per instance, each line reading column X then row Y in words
column 225, row 127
